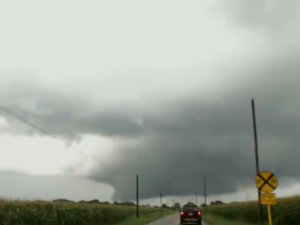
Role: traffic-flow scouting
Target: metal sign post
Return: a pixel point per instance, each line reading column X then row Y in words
column 267, row 182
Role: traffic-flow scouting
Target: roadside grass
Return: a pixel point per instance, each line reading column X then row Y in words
column 145, row 219
column 217, row 220
column 13, row 212
column 285, row 212
column 289, row 199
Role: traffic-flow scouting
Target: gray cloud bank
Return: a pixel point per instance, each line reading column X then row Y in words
column 17, row 185
column 183, row 139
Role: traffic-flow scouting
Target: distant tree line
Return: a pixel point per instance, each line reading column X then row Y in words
column 217, row 202
column 95, row 201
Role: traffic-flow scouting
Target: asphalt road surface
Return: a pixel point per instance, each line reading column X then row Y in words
column 170, row 220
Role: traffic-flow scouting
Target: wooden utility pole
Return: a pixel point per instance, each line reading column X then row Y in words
column 256, row 156
column 204, row 188
column 161, row 209
column 137, row 196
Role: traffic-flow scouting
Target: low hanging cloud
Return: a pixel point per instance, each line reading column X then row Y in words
column 173, row 137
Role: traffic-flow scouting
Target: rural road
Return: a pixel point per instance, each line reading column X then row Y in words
column 170, row 220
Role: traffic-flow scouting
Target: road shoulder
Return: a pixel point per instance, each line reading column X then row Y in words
column 216, row 220
column 145, row 219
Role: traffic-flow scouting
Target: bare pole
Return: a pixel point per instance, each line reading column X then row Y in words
column 161, row 209
column 204, row 184
column 256, row 156
column 197, row 198
column 137, row 196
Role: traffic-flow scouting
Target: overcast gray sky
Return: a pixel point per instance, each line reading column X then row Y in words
column 161, row 89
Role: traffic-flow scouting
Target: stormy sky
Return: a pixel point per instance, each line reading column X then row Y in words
column 159, row 89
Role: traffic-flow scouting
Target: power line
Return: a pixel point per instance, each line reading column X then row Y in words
column 46, row 133
column 102, row 163
column 27, row 122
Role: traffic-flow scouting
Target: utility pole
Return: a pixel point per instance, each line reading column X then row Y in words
column 197, row 198
column 204, row 188
column 161, row 210
column 256, row 156
column 137, row 196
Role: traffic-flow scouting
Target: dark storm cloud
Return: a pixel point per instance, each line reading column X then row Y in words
column 195, row 139
column 63, row 115
column 271, row 15
column 196, row 136
column 213, row 139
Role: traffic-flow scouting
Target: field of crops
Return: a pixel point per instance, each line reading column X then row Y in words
column 49, row 213
column 286, row 212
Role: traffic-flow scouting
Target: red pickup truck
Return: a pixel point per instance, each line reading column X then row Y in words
column 190, row 214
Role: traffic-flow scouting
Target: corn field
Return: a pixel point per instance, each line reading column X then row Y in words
column 49, row 213
column 286, row 212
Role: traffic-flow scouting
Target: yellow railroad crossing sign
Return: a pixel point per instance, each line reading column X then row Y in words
column 266, row 181
column 268, row 199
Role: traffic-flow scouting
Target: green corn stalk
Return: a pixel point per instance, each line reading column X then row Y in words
column 284, row 213
column 47, row 213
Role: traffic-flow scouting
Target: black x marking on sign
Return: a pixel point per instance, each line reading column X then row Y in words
column 266, row 181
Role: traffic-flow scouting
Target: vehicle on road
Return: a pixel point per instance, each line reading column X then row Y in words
column 190, row 214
